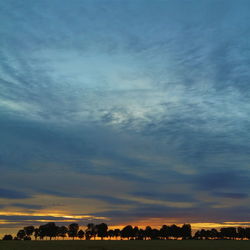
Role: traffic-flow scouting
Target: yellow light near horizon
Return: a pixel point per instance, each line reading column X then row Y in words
column 53, row 215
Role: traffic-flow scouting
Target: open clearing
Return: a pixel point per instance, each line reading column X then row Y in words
column 125, row 245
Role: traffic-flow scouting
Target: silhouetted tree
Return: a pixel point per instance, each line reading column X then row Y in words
column 214, row 234
column 51, row 230
column 21, row 234
column 73, row 230
column 48, row 230
column 80, row 234
column 102, row 230
column 228, row 232
column 186, row 232
column 175, row 231
column 62, row 231
column 7, row 237
column 203, row 234
column 165, row 232
column 241, row 233
column 91, row 231
column 155, row 234
column 127, row 232
column 141, row 235
column 111, row 233
column 117, row 233
column 197, row 235
column 148, row 231
column 247, row 231
column 36, row 233
column 42, row 231
column 29, row 230
column 135, row 232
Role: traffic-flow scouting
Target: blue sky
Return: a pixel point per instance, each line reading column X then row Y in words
column 124, row 111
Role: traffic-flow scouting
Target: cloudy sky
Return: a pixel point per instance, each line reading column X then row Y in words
column 132, row 111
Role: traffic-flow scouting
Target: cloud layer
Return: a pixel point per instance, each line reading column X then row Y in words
column 133, row 110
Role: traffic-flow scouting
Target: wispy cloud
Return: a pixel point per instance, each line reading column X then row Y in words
column 125, row 104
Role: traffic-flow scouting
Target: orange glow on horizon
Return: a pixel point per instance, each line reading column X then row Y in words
column 142, row 223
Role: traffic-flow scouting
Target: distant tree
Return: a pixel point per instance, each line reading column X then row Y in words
column 29, row 230
column 7, row 237
column 80, row 234
column 48, row 230
column 62, row 231
column 136, row 232
column 51, row 230
column 102, row 230
column 165, row 232
column 73, row 230
column 21, row 234
column 148, row 232
column 247, row 232
column 228, row 232
column 141, row 234
column 36, row 233
column 127, row 232
column 111, row 233
column 197, row 235
column 175, row 231
column 42, row 231
column 214, row 234
column 91, row 231
column 186, row 232
column 117, row 233
column 203, row 234
column 155, row 234
column 241, row 233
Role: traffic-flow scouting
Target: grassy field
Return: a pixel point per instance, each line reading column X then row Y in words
column 125, row 245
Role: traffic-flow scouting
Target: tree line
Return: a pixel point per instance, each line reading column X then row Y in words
column 52, row 231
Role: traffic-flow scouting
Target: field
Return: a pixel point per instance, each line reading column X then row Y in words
column 125, row 245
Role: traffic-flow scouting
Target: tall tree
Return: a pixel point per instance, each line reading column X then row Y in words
column 48, row 230
column 165, row 232
column 29, row 230
column 36, row 233
column 111, row 233
column 51, row 230
column 73, row 230
column 117, row 233
column 148, row 232
column 175, row 231
column 186, row 232
column 102, row 230
column 62, row 231
column 241, row 233
column 155, row 233
column 91, row 231
column 80, row 234
column 136, row 232
column 127, row 232
column 214, row 233
column 228, row 232
column 21, row 234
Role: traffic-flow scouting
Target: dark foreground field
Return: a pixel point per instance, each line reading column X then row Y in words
column 125, row 245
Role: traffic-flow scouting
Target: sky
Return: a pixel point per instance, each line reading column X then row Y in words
column 124, row 112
